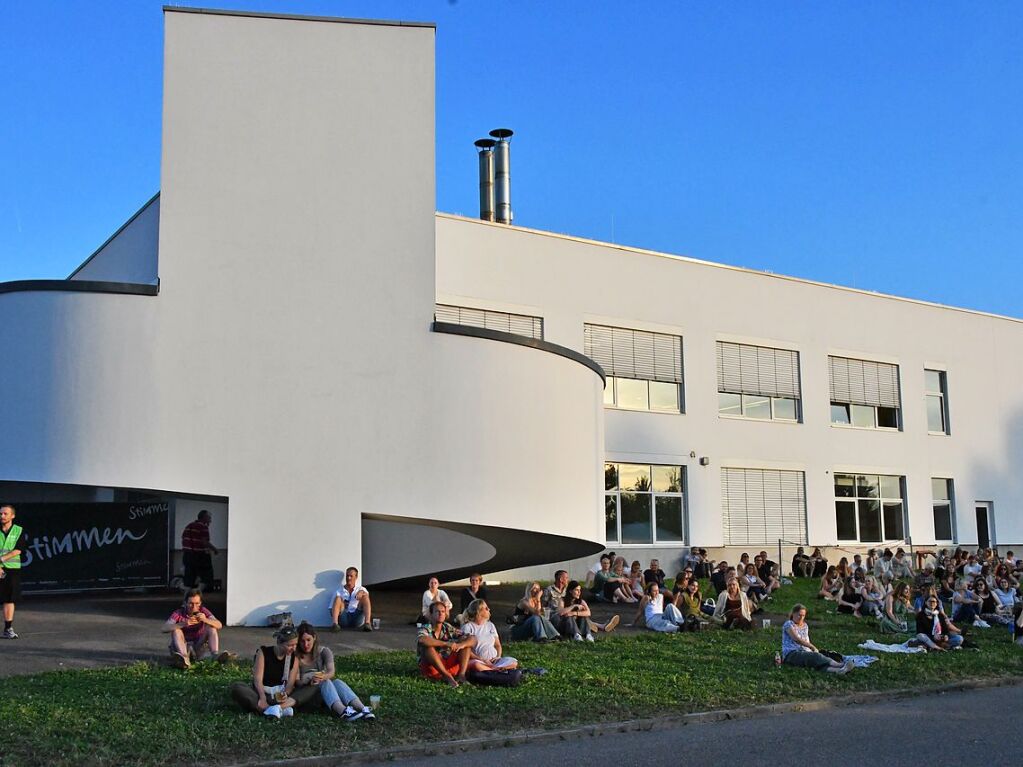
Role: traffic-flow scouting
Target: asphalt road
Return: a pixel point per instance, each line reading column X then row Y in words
column 970, row 728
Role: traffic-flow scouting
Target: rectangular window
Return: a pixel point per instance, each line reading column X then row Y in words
column 761, row 506
column 937, row 401
column 870, row 508
column 519, row 324
column 864, row 393
column 644, row 369
column 758, row 382
column 644, row 503
column 941, row 494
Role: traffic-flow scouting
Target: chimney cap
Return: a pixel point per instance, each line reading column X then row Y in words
column 501, row 133
column 485, row 143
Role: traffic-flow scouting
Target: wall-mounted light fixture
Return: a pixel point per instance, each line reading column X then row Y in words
column 704, row 461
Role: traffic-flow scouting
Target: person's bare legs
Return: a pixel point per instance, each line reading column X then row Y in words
column 209, row 646
column 464, row 656
column 367, row 610
column 335, row 609
column 9, row 611
column 433, row 658
column 178, row 644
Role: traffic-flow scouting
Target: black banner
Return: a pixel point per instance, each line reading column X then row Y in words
column 84, row 546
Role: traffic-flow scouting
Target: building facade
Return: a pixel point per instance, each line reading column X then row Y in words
column 291, row 332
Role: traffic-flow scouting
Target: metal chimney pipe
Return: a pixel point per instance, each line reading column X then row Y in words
column 486, row 147
column 502, row 174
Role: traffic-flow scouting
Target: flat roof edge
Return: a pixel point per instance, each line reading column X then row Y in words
column 300, row 17
column 728, row 267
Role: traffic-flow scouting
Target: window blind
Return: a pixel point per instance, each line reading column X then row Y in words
column 761, row 506
column 519, row 324
column 626, row 353
column 762, row 370
column 862, row 382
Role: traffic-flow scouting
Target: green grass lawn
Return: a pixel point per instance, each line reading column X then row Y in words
column 144, row 715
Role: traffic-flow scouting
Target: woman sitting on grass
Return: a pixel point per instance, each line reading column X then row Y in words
column 753, row 584
column 1007, row 598
column 873, row 597
column 636, row 579
column 274, row 677
column 798, row 650
column 934, row 630
column 488, row 643
column 316, row 672
column 574, row 616
column 966, row 604
column 690, row 601
column 897, row 611
column 989, row 604
column 657, row 615
column 624, row 591
column 843, row 568
column 530, row 622
column 831, row 584
column 733, row 609
column 849, row 599
column 434, row 593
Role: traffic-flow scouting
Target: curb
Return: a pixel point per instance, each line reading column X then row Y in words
column 496, row 741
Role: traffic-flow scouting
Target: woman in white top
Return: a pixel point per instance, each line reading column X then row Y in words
column 488, row 648
column 873, row 597
column 433, row 594
column 798, row 650
column 655, row 614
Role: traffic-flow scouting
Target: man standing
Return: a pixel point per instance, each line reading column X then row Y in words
column 195, row 542
column 351, row 607
column 194, row 632
column 12, row 543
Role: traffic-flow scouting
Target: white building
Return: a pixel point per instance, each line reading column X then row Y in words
column 259, row 340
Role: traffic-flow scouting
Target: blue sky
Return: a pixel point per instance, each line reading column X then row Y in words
column 871, row 144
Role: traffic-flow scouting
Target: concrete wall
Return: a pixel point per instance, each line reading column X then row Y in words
column 288, row 363
column 130, row 255
column 571, row 282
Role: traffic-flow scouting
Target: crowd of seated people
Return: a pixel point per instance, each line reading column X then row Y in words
column 929, row 605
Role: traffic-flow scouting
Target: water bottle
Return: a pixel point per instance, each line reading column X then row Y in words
column 777, row 660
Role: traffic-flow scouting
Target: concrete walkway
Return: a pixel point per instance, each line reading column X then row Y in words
column 113, row 629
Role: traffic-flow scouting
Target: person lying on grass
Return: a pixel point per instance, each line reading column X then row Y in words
column 488, row 643
column 934, row 630
column 274, row 677
column 530, row 620
column 444, row 653
column 733, row 609
column 316, row 675
column 573, row 619
column 656, row 614
column 798, row 650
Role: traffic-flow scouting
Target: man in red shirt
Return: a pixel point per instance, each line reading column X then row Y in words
column 196, row 546
column 194, row 633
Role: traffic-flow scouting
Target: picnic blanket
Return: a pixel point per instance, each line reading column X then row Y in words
column 860, row 661
column 870, row 644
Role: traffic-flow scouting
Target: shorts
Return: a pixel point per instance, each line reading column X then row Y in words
column 451, row 665
column 10, row 586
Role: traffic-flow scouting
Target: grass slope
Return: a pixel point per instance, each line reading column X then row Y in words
column 145, row 715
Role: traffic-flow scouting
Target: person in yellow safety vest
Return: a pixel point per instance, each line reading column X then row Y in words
column 12, row 542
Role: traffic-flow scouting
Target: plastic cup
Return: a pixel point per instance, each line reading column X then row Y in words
column 376, row 624
column 766, row 623
column 374, row 702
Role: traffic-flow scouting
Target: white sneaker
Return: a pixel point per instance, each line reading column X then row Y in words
column 289, row 711
column 589, row 638
column 578, row 638
column 981, row 624
column 274, row 711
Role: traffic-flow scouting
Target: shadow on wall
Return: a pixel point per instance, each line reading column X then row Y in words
column 1000, row 483
column 316, row 610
